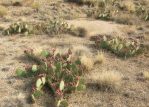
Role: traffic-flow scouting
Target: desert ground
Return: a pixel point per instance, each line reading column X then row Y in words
column 130, row 75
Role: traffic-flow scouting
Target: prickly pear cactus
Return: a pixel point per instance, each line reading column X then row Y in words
column 19, row 28
column 120, row 47
column 56, row 71
column 57, row 26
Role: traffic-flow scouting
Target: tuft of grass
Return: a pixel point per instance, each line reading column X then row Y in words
column 99, row 57
column 3, row 11
column 80, row 50
column 146, row 75
column 108, row 80
column 87, row 62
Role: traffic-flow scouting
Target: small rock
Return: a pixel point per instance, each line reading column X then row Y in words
column 5, row 69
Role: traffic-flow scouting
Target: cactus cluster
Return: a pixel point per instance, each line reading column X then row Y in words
column 120, row 46
column 57, row 27
column 19, row 28
column 50, row 27
column 54, row 71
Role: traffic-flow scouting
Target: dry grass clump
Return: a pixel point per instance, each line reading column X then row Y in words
column 146, row 75
column 130, row 6
column 80, row 50
column 108, row 80
column 146, row 36
column 99, row 58
column 3, row 11
column 37, row 51
column 124, row 18
column 87, row 62
column 80, row 32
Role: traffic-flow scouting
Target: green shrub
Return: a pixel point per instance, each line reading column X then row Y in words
column 55, row 72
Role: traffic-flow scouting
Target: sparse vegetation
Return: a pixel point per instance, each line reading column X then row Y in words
column 118, row 11
column 51, row 27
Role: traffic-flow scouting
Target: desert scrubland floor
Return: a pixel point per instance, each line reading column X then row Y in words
column 133, row 86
